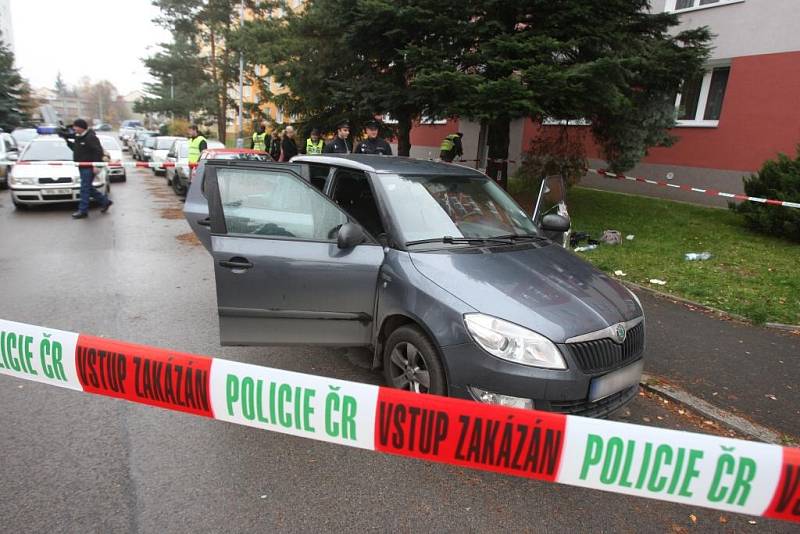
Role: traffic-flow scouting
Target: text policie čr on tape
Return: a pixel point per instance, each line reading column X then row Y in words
column 669, row 465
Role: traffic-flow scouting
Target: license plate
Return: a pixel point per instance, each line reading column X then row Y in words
column 56, row 192
column 611, row 383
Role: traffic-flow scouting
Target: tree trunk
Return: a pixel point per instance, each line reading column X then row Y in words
column 498, row 139
column 404, row 135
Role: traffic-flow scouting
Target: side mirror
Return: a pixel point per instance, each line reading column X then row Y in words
column 350, row 235
column 552, row 222
column 12, row 156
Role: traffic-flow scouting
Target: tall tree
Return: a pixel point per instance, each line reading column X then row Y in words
column 14, row 92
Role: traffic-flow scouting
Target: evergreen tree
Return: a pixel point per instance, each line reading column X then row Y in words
column 14, row 92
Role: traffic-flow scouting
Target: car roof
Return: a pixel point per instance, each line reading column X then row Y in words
column 389, row 164
column 234, row 151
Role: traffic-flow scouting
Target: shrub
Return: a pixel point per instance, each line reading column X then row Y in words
column 778, row 179
column 555, row 151
column 179, row 127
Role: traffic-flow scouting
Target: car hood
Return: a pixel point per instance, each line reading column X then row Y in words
column 45, row 171
column 546, row 289
column 115, row 155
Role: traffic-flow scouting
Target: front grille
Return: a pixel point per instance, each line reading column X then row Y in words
column 55, row 180
column 602, row 355
column 600, row 408
column 57, row 197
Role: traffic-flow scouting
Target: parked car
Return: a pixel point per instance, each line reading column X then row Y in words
column 160, row 150
column 114, row 150
column 102, row 127
column 23, row 136
column 179, row 176
column 431, row 265
column 137, row 145
column 47, row 184
column 8, row 152
column 148, row 146
column 127, row 129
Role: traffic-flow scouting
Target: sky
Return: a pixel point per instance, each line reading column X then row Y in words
column 101, row 39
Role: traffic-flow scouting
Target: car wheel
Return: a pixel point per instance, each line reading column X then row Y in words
column 411, row 362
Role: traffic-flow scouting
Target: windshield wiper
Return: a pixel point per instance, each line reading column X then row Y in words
column 450, row 240
column 521, row 236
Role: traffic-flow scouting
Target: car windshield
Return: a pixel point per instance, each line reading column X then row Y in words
column 434, row 206
column 23, row 136
column 109, row 143
column 183, row 150
column 163, row 143
column 50, row 150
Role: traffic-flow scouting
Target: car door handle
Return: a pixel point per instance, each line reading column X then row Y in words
column 236, row 263
column 204, row 222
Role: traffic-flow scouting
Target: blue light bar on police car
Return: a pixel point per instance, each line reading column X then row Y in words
column 46, row 130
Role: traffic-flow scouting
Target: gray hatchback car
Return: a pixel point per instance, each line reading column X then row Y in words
column 432, row 266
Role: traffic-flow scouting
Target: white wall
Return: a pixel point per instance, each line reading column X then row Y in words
column 746, row 28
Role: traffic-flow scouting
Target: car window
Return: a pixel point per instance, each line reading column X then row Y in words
column 352, row 193
column 182, row 149
column 50, row 150
column 109, row 143
column 24, row 136
column 319, row 175
column 150, row 142
column 277, row 204
column 163, row 143
column 8, row 143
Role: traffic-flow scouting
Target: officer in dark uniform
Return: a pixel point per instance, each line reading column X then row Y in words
column 373, row 144
column 340, row 144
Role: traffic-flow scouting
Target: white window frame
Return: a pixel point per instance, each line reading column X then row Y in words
column 669, row 6
column 702, row 101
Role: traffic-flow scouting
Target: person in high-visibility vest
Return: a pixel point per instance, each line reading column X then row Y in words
column 259, row 138
column 314, row 144
column 451, row 147
column 197, row 143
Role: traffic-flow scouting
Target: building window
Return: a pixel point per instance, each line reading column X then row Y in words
column 700, row 101
column 691, row 5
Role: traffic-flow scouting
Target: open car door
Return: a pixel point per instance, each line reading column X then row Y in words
column 552, row 200
column 281, row 277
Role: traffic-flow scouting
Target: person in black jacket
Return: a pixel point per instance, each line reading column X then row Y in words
column 288, row 145
column 86, row 146
column 340, row 144
column 373, row 144
column 275, row 145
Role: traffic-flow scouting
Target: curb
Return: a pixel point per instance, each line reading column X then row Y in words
column 791, row 328
column 723, row 417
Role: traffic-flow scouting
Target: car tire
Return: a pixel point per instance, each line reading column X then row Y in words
column 411, row 362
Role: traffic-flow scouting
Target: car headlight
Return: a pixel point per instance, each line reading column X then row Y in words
column 513, row 343
column 13, row 180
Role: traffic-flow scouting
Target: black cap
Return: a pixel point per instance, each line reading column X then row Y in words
column 80, row 123
column 343, row 124
column 315, row 131
column 372, row 125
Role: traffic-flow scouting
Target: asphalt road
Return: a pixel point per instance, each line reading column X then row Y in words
column 79, row 463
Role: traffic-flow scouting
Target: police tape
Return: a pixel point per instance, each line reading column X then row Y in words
column 669, row 465
column 707, row 191
column 100, row 164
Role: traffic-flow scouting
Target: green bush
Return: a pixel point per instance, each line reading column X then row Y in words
column 780, row 180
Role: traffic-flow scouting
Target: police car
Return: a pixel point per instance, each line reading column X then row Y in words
column 32, row 182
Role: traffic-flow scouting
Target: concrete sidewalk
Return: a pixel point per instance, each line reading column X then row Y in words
column 751, row 371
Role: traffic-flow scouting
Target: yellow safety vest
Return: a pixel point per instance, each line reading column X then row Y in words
column 194, row 148
column 259, row 141
column 448, row 143
column 312, row 148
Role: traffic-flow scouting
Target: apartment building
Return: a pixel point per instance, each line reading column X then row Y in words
column 743, row 110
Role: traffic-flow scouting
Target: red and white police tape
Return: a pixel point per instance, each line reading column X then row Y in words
column 668, row 465
column 99, row 164
column 707, row 191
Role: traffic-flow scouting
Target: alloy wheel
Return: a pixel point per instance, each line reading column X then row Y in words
column 408, row 370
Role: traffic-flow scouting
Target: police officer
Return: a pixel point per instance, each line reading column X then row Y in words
column 451, row 147
column 259, row 138
column 197, row 143
column 373, row 144
column 340, row 144
column 314, row 144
